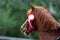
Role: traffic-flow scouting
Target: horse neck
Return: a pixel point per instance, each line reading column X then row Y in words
column 44, row 18
column 52, row 23
column 46, row 36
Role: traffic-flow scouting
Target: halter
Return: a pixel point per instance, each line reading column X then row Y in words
column 31, row 17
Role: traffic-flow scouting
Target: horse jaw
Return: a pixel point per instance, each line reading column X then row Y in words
column 24, row 29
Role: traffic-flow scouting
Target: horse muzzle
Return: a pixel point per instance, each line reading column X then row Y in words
column 24, row 29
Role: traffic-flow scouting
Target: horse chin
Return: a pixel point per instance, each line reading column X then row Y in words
column 26, row 33
column 24, row 29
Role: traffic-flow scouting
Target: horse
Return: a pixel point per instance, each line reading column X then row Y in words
column 41, row 20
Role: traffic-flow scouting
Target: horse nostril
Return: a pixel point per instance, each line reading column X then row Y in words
column 21, row 30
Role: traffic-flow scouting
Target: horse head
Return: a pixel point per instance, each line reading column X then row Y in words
column 39, row 19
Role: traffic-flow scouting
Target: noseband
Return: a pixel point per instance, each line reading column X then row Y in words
column 30, row 19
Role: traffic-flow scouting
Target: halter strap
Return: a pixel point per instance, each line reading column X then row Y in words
column 48, row 30
column 42, row 30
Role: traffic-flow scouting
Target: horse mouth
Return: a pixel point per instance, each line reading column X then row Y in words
column 24, row 29
column 26, row 33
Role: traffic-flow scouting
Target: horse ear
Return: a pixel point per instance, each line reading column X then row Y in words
column 44, row 6
column 32, row 6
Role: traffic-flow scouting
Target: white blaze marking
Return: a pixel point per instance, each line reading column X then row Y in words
column 24, row 24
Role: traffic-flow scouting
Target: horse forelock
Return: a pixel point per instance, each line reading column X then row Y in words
column 29, row 11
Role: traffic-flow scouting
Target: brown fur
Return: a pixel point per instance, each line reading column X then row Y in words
column 45, row 21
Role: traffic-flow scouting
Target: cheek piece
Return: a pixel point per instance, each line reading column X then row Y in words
column 31, row 17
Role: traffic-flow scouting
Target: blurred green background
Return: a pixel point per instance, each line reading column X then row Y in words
column 13, row 13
